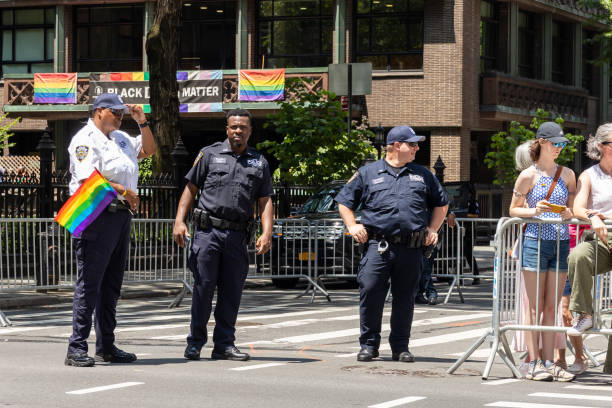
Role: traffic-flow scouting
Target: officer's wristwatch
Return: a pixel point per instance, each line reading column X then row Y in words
column 143, row 125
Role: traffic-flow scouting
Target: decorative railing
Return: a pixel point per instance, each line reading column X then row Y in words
column 515, row 94
column 20, row 91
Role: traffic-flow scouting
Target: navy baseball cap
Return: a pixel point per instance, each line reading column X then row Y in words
column 403, row 134
column 551, row 131
column 110, row 100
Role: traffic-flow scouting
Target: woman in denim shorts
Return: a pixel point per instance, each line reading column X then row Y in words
column 545, row 246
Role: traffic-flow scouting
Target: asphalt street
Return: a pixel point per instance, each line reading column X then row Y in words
column 303, row 355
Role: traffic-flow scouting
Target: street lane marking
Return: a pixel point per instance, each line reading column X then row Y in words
column 513, row 404
column 355, row 331
column 24, row 329
column 397, row 402
column 145, row 328
column 571, row 396
column 104, row 388
column 501, row 382
column 257, row 366
column 480, row 353
column 591, row 387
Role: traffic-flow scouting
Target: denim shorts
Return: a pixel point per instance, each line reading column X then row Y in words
column 548, row 255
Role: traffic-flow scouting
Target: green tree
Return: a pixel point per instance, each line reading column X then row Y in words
column 315, row 147
column 601, row 12
column 504, row 144
column 5, row 132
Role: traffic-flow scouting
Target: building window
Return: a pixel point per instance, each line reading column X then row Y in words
column 108, row 38
column 562, row 55
column 27, row 40
column 489, row 35
column 530, row 45
column 208, row 38
column 590, row 72
column 294, row 33
column 389, row 33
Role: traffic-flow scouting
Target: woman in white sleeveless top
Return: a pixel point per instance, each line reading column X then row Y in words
column 594, row 203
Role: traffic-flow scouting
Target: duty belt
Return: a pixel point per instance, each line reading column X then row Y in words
column 202, row 219
column 117, row 205
column 413, row 239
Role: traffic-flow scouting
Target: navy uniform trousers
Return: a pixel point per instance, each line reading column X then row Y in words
column 218, row 259
column 102, row 252
column 403, row 266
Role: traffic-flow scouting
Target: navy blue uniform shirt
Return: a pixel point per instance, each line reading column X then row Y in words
column 393, row 204
column 230, row 184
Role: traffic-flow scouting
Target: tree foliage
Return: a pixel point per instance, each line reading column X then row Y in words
column 504, row 144
column 5, row 131
column 601, row 11
column 315, row 146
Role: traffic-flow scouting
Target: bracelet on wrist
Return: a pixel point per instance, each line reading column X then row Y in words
column 124, row 191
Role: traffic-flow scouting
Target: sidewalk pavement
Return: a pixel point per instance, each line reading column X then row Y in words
column 28, row 298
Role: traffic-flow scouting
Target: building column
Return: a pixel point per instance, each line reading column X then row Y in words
column 547, row 44
column 149, row 15
column 513, row 35
column 577, row 55
column 604, row 93
column 339, row 42
column 59, row 57
column 242, row 51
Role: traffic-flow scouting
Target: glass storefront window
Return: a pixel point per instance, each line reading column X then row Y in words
column 27, row 40
column 294, row 33
column 389, row 33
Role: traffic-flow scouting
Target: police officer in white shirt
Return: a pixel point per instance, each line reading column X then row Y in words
column 102, row 249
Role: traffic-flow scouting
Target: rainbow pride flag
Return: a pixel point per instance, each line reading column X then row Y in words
column 261, row 85
column 55, row 88
column 84, row 206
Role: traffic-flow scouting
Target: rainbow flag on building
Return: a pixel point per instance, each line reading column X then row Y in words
column 261, row 85
column 55, row 88
column 84, row 206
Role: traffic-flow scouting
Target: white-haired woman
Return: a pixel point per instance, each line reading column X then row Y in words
column 541, row 254
column 594, row 203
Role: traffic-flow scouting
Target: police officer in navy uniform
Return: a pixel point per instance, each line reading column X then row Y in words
column 102, row 249
column 402, row 207
column 230, row 177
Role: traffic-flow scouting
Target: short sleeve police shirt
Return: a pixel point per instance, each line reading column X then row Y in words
column 391, row 203
column 115, row 156
column 230, row 184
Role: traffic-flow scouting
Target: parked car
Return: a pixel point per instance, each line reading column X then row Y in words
column 315, row 237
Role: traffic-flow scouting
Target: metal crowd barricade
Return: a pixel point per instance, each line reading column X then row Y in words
column 38, row 254
column 507, row 301
column 337, row 253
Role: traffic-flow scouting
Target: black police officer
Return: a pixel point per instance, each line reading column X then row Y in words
column 230, row 177
column 402, row 207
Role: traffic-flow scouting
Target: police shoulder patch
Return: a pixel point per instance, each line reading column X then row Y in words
column 81, row 152
column 353, row 177
column 197, row 159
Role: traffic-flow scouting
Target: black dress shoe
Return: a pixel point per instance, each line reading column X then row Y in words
column 366, row 354
column 230, row 353
column 116, row 355
column 420, row 299
column 192, row 352
column 79, row 360
column 432, row 299
column 476, row 281
column 404, row 357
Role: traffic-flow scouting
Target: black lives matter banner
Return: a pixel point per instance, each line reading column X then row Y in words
column 199, row 91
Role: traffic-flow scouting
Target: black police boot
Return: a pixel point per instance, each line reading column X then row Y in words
column 420, row 299
column 192, row 352
column 79, row 360
column 432, row 299
column 230, row 353
column 404, row 357
column 116, row 355
column 366, row 354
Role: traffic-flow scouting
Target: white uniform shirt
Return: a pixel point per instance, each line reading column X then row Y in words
column 114, row 156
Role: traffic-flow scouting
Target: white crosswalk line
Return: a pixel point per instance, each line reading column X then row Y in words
column 104, row 388
column 501, row 382
column 11, row 330
column 515, row 404
column 397, row 402
column 591, row 387
column 256, row 366
column 572, row 396
column 480, row 353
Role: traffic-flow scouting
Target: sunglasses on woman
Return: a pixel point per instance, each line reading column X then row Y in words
column 559, row 144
